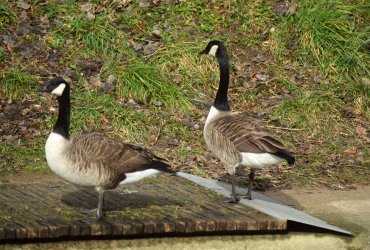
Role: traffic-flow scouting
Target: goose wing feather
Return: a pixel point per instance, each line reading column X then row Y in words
column 245, row 133
column 116, row 155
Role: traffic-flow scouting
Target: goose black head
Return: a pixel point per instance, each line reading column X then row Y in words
column 214, row 48
column 56, row 86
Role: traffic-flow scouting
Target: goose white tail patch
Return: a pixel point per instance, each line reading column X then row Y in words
column 255, row 160
column 213, row 50
column 139, row 175
column 59, row 90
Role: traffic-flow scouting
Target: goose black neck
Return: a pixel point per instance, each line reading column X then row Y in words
column 221, row 97
column 62, row 125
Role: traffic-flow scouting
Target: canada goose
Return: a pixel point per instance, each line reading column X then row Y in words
column 236, row 139
column 94, row 160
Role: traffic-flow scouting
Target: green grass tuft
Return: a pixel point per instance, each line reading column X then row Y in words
column 7, row 16
column 139, row 79
column 16, row 83
column 327, row 34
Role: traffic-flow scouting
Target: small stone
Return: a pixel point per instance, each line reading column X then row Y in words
column 157, row 33
column 166, row 25
column 86, row 7
column 157, row 103
column 149, row 49
column 24, row 16
column 196, row 126
column 111, row 80
column 317, row 79
column 131, row 101
column 23, row 5
column 365, row 81
column 259, row 58
column 261, row 113
column 90, row 16
column 188, row 148
column 95, row 82
column 143, row 4
column 262, row 77
column 68, row 42
column 176, row 78
column 136, row 46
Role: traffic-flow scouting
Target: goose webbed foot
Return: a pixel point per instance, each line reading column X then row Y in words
column 248, row 196
column 89, row 211
column 234, row 199
column 89, row 219
column 231, row 200
column 99, row 210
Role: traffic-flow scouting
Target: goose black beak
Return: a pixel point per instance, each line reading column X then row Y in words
column 203, row 52
column 42, row 89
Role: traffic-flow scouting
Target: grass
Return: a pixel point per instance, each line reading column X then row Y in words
column 16, row 83
column 330, row 37
column 325, row 38
column 7, row 16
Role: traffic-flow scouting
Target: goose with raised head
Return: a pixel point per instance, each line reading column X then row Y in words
column 94, row 160
column 235, row 138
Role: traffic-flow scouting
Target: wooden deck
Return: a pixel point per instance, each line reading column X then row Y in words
column 160, row 206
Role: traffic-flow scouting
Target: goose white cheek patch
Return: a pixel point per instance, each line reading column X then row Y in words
column 213, row 50
column 59, row 90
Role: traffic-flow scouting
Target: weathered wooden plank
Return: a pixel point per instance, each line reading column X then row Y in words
column 23, row 218
column 10, row 231
column 57, row 228
column 168, row 225
column 100, row 228
column 116, row 225
column 137, row 226
column 201, row 223
column 2, row 232
column 246, row 220
column 20, row 231
column 43, row 210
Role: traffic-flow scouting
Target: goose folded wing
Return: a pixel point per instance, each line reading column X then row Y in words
column 249, row 137
column 114, row 154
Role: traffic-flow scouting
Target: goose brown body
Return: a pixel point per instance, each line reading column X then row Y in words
column 99, row 161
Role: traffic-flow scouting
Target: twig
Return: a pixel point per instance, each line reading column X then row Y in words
column 158, row 134
column 282, row 128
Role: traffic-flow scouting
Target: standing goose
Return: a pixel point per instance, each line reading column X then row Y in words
column 94, row 160
column 236, row 139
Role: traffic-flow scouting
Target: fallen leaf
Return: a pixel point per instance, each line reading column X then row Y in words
column 259, row 58
column 103, row 119
column 262, row 77
column 351, row 150
column 176, row 78
column 9, row 42
column 23, row 5
column 86, row 7
column 317, row 79
column 26, row 134
column 149, row 49
column 95, row 82
column 361, row 131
